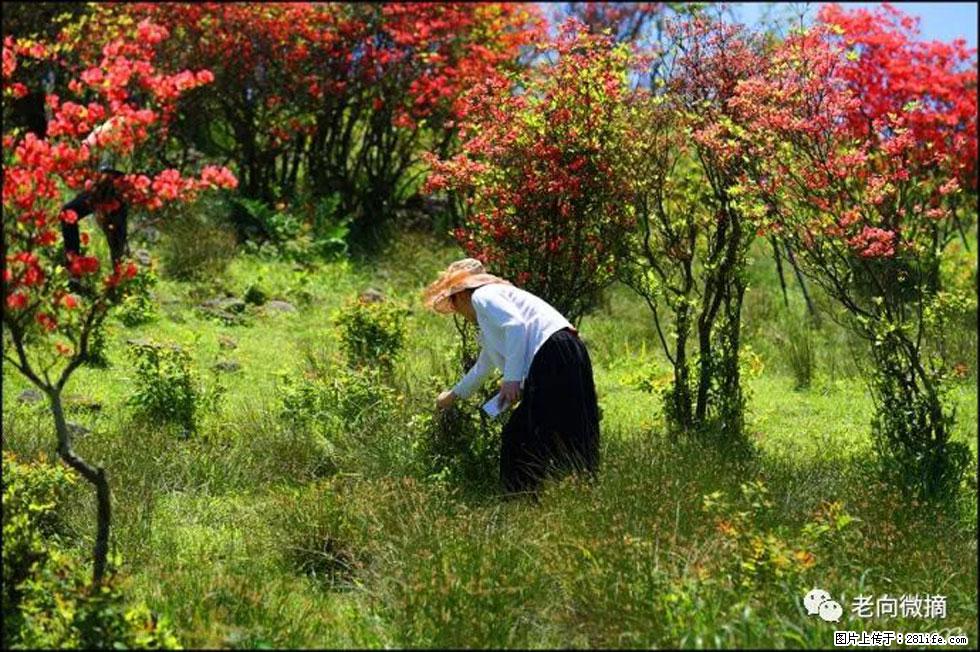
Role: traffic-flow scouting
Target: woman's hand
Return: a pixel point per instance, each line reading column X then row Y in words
column 510, row 392
column 446, row 399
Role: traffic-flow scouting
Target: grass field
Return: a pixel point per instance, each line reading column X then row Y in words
column 260, row 531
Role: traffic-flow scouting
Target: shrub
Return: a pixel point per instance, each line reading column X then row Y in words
column 372, row 334
column 196, row 246
column 457, row 445
column 688, row 258
column 61, row 609
column 868, row 182
column 543, row 177
column 31, row 493
column 166, row 387
column 48, row 602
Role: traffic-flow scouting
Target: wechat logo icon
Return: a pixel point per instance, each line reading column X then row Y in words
column 819, row 602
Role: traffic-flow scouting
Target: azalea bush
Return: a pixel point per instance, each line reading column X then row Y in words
column 542, row 179
column 48, row 324
column 688, row 256
column 327, row 99
column 865, row 141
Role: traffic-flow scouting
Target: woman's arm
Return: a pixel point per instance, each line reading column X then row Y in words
column 474, row 376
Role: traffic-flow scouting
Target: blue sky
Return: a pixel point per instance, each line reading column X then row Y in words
column 940, row 20
column 943, row 21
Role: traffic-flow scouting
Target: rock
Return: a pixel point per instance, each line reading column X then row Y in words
column 226, row 304
column 227, row 309
column 30, row 396
column 77, row 430
column 82, row 402
column 228, row 318
column 143, row 257
column 143, row 341
column 280, row 306
column 226, row 342
column 228, row 366
column 372, row 295
column 149, row 233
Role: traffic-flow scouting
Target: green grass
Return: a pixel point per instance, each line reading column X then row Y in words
column 255, row 532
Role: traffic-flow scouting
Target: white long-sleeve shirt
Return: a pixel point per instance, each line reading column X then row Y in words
column 513, row 325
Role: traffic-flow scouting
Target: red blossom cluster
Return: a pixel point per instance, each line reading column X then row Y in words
column 866, row 131
column 321, row 84
column 120, row 98
column 930, row 84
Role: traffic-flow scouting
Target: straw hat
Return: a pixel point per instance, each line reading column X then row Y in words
column 464, row 274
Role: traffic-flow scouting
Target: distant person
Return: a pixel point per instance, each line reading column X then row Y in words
column 105, row 200
column 545, row 367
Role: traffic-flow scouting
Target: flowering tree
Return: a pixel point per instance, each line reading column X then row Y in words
column 866, row 143
column 48, row 327
column 542, row 175
column 420, row 59
column 689, row 253
column 342, row 95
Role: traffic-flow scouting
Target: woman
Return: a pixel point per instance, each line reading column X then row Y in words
column 545, row 366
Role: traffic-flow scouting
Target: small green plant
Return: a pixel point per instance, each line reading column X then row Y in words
column 255, row 294
column 280, row 233
column 166, row 387
column 139, row 307
column 457, row 446
column 372, row 334
column 330, row 229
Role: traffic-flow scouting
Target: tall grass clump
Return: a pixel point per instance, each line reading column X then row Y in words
column 799, row 351
column 196, row 244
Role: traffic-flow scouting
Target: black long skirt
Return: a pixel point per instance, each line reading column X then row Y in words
column 555, row 427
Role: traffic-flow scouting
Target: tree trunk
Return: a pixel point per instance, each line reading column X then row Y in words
column 705, row 371
column 95, row 475
column 682, row 375
column 806, row 295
